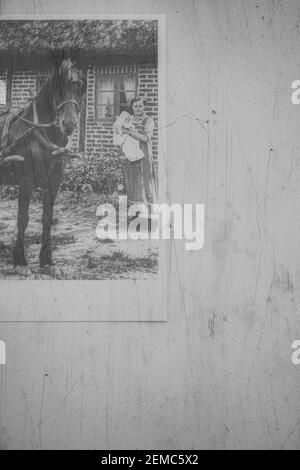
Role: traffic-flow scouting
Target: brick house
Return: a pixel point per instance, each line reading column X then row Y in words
column 119, row 62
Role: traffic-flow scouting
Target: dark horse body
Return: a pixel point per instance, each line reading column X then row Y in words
column 58, row 102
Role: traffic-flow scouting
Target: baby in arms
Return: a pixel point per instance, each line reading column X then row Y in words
column 129, row 145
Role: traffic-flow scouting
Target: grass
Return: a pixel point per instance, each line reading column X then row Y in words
column 76, row 249
column 120, row 261
column 57, row 240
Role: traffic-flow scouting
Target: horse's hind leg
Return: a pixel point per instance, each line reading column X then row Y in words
column 25, row 192
column 49, row 196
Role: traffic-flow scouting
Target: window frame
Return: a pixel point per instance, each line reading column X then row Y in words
column 116, row 104
column 4, row 105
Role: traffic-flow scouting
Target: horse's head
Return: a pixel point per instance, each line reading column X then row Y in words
column 70, row 88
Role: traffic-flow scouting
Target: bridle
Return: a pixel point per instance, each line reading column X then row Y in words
column 37, row 128
column 35, row 123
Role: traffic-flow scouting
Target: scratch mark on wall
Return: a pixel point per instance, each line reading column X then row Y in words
column 211, row 325
column 290, row 434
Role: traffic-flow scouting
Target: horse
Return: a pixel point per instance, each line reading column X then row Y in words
column 34, row 144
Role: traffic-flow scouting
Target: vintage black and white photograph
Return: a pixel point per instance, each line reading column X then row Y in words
column 79, row 134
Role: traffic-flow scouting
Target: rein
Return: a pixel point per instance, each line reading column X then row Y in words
column 51, row 124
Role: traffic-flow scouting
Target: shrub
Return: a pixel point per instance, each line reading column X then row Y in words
column 94, row 176
column 9, row 193
column 101, row 173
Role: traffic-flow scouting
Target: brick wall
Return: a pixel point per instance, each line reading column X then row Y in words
column 148, row 89
column 22, row 84
column 99, row 133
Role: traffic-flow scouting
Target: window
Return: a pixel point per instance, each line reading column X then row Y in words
column 114, row 91
column 2, row 93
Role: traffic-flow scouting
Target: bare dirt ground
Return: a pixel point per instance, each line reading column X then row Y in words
column 76, row 250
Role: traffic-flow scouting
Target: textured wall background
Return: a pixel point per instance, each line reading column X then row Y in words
column 219, row 373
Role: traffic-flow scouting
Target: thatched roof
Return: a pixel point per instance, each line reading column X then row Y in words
column 25, row 43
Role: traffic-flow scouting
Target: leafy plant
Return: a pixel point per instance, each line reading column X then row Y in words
column 96, row 173
column 94, row 179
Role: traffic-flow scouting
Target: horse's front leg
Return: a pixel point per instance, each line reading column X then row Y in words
column 19, row 259
column 49, row 196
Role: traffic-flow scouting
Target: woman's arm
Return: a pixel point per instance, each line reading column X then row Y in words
column 136, row 135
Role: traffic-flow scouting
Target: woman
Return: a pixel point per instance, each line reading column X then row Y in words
column 139, row 174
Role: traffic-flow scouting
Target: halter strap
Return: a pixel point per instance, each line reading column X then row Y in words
column 67, row 102
column 35, row 123
column 35, row 126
